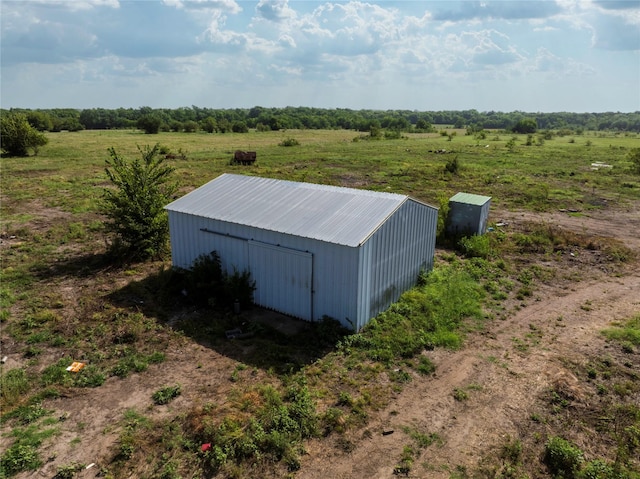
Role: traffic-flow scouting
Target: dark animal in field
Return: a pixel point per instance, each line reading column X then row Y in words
column 244, row 157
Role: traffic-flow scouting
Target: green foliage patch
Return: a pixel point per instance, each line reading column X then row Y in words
column 425, row 317
column 166, row 394
column 625, row 332
column 135, row 207
column 18, row 137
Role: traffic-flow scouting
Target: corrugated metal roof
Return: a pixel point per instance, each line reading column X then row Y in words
column 333, row 214
column 470, row 199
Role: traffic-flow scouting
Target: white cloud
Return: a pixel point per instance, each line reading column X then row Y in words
column 617, row 28
column 230, row 6
column 75, row 5
column 509, row 10
column 322, row 49
column 275, row 10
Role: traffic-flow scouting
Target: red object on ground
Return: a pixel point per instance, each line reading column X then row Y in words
column 206, row 447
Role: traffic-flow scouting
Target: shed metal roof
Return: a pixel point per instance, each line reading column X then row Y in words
column 333, row 214
column 470, row 199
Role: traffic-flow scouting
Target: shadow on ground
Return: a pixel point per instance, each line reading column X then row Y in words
column 252, row 335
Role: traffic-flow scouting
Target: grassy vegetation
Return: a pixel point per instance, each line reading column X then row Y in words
column 62, row 298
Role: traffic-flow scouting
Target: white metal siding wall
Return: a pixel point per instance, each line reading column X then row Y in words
column 283, row 279
column 335, row 267
column 336, row 283
column 394, row 255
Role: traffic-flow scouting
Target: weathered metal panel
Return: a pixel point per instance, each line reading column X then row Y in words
column 468, row 214
column 327, row 213
column 283, row 279
column 394, row 256
column 470, row 199
column 335, row 273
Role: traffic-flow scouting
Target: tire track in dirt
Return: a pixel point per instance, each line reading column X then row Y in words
column 503, row 379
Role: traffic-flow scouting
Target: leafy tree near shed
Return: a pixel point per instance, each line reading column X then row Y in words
column 17, row 136
column 135, row 207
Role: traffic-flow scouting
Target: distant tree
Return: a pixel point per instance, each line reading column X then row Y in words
column 423, row 125
column 175, row 125
column 511, row 144
column 135, row 207
column 208, row 124
column 190, row 126
column 224, row 126
column 525, row 125
column 150, row 123
column 17, row 136
column 40, row 121
column 239, row 127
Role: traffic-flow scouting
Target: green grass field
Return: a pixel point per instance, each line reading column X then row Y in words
column 69, row 172
column 61, row 298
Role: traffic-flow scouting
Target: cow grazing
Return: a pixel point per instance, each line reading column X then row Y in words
column 244, row 157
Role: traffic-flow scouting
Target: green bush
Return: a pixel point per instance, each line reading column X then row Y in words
column 206, row 284
column 443, row 218
column 425, row 366
column 135, row 206
column 150, row 123
column 68, row 471
column 28, row 413
column 598, row 469
column 452, row 166
column 134, row 362
column 289, row 142
column 476, row 246
column 17, row 136
column 90, row 377
column 562, row 457
column 13, row 384
column 239, row 286
column 278, row 424
column 166, row 394
column 19, row 457
column 425, row 317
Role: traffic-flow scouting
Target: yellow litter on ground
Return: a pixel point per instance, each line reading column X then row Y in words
column 75, row 367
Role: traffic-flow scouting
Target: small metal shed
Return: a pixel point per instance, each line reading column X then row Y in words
column 313, row 250
column 468, row 214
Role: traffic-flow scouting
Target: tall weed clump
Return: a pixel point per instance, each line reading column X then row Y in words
column 270, row 426
column 425, row 317
column 443, row 216
column 13, row 385
column 476, row 246
column 207, row 284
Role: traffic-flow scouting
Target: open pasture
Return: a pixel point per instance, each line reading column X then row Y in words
column 546, row 175
column 492, row 361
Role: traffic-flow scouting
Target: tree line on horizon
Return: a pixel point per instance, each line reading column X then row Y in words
column 240, row 120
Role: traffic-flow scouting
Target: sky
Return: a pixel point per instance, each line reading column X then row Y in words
column 515, row 55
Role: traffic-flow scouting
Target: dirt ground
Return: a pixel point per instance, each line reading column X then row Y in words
column 503, row 380
column 504, row 389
